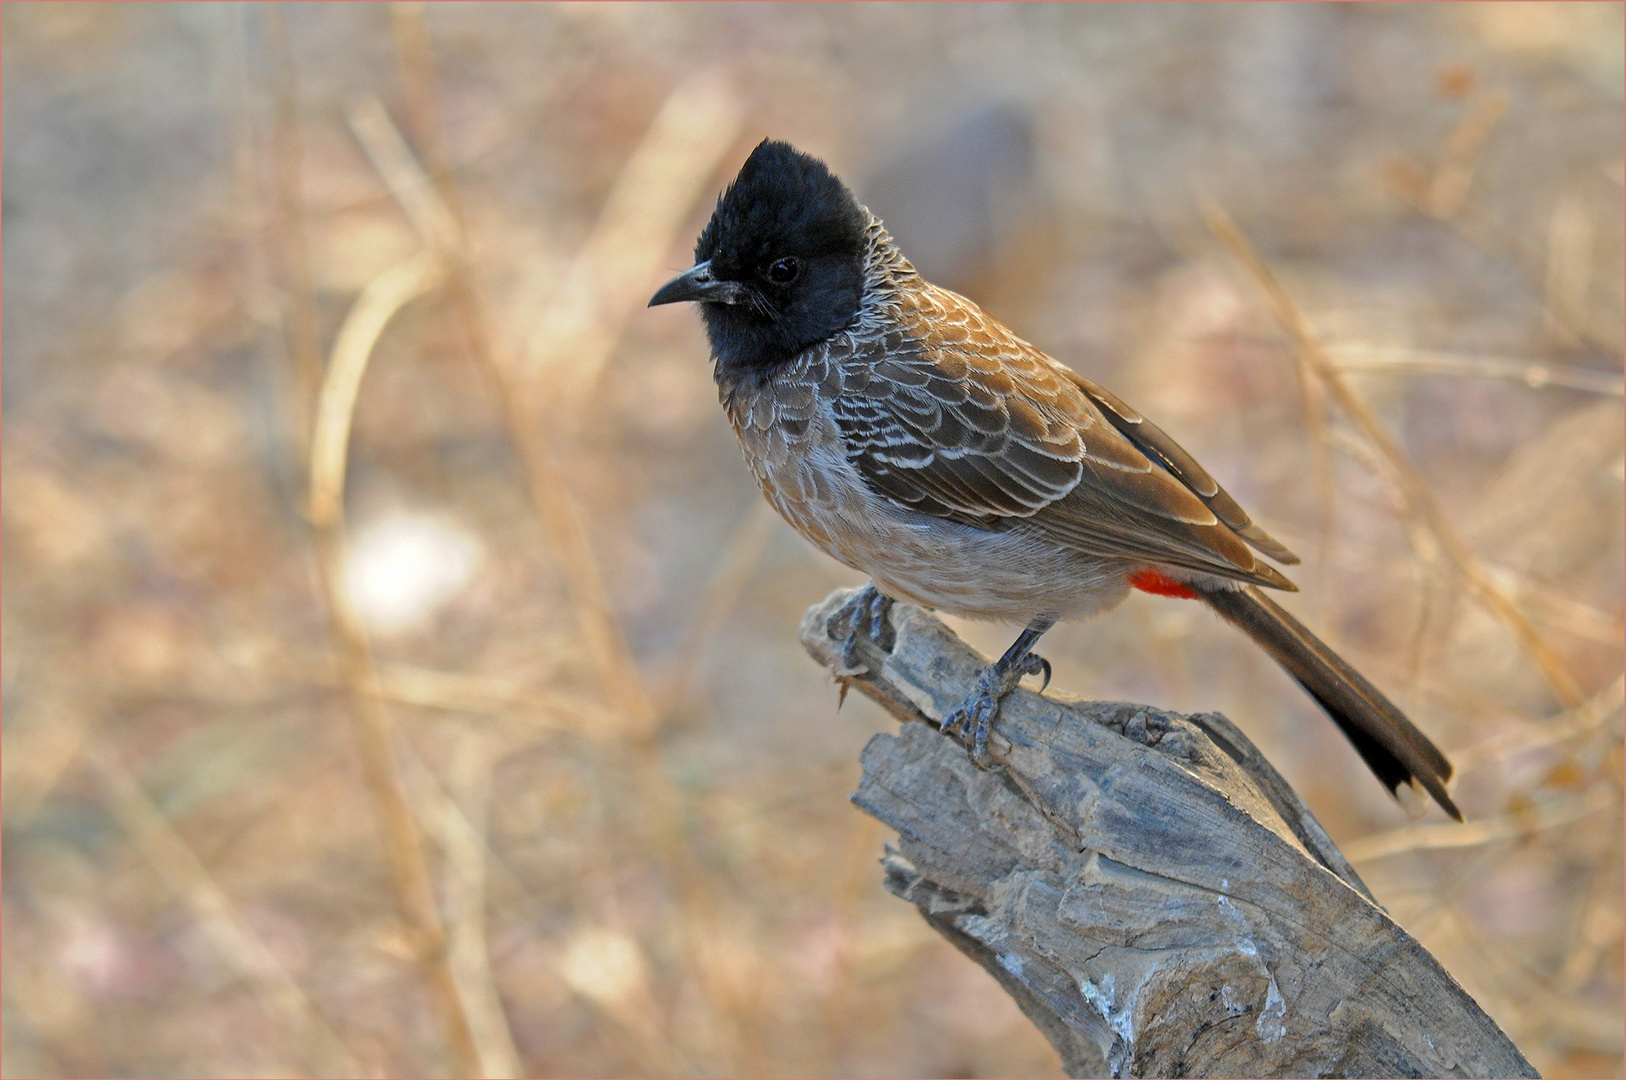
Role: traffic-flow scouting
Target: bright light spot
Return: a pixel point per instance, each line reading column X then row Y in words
column 604, row 965
column 402, row 567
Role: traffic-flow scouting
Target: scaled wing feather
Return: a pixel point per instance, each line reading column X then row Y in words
column 960, row 419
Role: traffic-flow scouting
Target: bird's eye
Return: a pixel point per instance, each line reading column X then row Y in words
column 784, row 271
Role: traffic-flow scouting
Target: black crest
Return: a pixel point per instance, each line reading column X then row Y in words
column 791, row 236
column 782, row 194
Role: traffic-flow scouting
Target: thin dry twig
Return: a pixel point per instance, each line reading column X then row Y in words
column 300, row 328
column 1532, row 373
column 1527, row 822
column 36, row 748
column 420, row 86
column 1459, row 158
column 562, row 516
column 184, row 873
column 385, row 295
column 352, row 349
column 1443, row 195
column 1569, row 268
column 1595, row 932
column 462, row 835
column 481, row 695
column 1584, row 719
column 408, row 182
column 603, row 286
column 550, row 496
column 546, row 485
column 1419, row 496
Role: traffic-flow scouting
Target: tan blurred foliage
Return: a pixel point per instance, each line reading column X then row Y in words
column 546, row 658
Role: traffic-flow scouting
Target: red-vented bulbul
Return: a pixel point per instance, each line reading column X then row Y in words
column 914, row 438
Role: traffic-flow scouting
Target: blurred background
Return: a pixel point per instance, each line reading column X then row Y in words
column 488, row 747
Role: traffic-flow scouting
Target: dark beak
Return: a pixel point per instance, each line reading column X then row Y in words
column 697, row 284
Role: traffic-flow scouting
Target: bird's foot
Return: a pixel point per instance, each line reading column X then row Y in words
column 972, row 721
column 866, row 617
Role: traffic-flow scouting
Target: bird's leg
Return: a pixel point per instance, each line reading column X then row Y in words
column 978, row 711
column 866, row 615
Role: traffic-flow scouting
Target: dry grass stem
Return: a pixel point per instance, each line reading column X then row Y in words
column 412, row 187
column 1540, row 601
column 1597, row 932
column 185, row 875
column 1420, row 500
column 635, row 1011
column 1570, row 239
column 1534, row 374
column 463, row 838
column 606, row 967
column 440, row 816
column 1548, row 814
column 1313, row 407
column 420, row 86
column 35, row 750
column 1443, row 195
column 650, row 202
column 534, row 712
column 566, row 525
column 554, row 710
column 1538, row 1005
column 353, row 347
column 300, row 327
column 1589, row 716
column 379, row 302
column 570, row 540
column 1464, row 145
column 1560, row 612
column 550, row 496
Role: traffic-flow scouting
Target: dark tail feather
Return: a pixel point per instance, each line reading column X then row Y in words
column 1388, row 742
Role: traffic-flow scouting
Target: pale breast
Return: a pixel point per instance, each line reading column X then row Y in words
column 795, row 452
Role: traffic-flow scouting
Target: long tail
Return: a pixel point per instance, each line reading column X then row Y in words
column 1389, row 743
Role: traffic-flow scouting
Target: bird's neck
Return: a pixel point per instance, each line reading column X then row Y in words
column 886, row 274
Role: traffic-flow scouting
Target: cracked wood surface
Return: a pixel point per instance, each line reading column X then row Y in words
column 1145, row 885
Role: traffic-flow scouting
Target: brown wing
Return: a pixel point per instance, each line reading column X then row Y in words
column 956, row 417
column 1155, row 443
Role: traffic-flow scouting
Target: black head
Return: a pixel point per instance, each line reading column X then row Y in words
column 780, row 267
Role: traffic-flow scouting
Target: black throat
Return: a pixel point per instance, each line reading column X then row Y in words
column 758, row 340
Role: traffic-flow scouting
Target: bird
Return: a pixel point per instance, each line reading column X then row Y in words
column 911, row 436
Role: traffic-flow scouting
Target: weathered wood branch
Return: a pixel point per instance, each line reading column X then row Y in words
column 1145, row 885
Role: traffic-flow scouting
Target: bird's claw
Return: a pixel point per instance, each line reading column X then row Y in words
column 973, row 720
column 1037, row 665
column 866, row 616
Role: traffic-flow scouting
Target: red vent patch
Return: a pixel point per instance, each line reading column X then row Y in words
column 1158, row 583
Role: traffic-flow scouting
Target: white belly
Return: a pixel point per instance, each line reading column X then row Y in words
column 1010, row 575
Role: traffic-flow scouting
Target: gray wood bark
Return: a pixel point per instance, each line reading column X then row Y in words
column 1145, row 885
